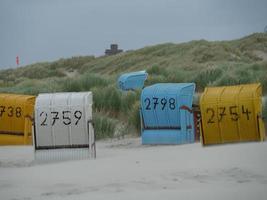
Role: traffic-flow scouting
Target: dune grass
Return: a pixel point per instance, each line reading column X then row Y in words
column 205, row 63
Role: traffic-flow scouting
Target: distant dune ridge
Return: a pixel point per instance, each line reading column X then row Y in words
column 205, row 63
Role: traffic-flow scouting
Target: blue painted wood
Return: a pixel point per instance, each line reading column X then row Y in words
column 168, row 123
column 132, row 81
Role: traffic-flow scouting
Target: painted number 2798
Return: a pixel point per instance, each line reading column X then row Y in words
column 162, row 103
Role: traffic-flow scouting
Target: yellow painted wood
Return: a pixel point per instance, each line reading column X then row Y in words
column 232, row 114
column 16, row 112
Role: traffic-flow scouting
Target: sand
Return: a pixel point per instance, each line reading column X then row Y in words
column 124, row 169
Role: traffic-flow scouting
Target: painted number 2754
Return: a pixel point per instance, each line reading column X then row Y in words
column 231, row 111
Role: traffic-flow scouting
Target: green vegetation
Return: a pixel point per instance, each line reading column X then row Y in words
column 104, row 126
column 205, row 63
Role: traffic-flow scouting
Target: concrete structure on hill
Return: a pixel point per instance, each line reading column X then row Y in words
column 113, row 50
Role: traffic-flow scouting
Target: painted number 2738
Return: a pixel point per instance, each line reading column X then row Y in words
column 10, row 111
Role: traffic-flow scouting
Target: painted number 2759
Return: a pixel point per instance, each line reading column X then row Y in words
column 65, row 115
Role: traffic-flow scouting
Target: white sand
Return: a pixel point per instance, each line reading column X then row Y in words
column 126, row 170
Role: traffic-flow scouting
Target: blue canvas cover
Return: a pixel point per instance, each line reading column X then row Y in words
column 132, row 81
column 166, row 113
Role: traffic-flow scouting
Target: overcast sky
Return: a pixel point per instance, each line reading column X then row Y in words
column 46, row 30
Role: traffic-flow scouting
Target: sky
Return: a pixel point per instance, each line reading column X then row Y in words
column 47, row 30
